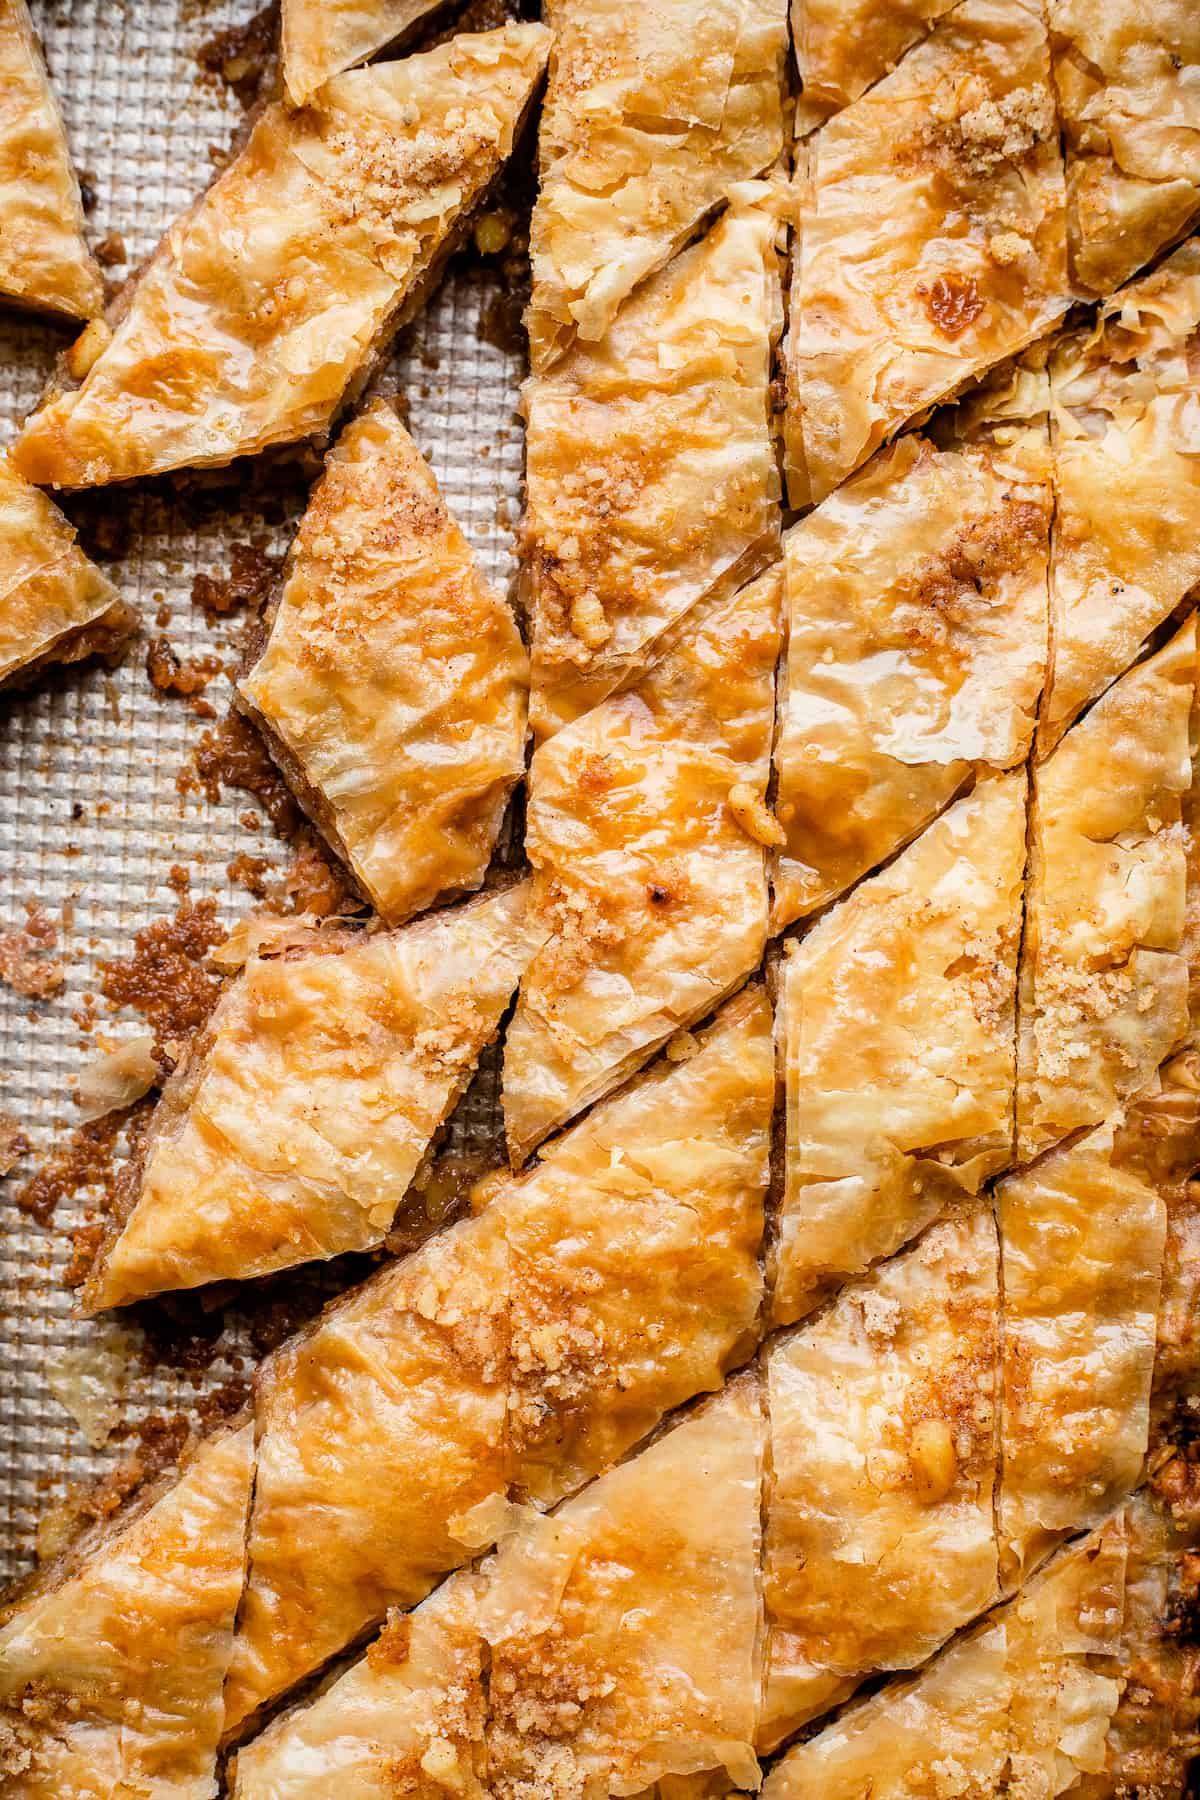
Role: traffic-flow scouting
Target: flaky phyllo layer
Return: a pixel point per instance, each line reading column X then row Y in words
column 809, row 1401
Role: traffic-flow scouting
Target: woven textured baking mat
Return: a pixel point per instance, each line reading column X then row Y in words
column 91, row 817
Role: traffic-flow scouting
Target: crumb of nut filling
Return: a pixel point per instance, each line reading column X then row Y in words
column 27, row 964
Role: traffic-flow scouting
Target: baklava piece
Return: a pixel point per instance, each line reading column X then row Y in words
column 1128, row 79
column 320, row 38
column 651, row 473
column 621, row 1639
column 407, row 1718
column 111, row 1667
column 265, row 308
column 896, row 1015
column 526, row 1348
column 55, row 605
column 44, row 261
column 295, row 1123
column 625, row 1629
column 931, row 239
column 1104, row 983
column 843, row 47
column 879, row 1532
column 915, row 607
column 1079, row 1685
column 393, row 687
column 652, row 114
column 379, row 1428
column 634, row 1251
column 646, row 827
column 1127, row 524
column 1164, row 1147
column 1083, row 1236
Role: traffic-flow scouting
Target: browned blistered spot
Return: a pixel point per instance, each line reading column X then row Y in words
column 595, row 774
column 954, row 303
column 391, row 1648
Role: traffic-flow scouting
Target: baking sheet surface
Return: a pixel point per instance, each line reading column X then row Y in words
column 144, row 121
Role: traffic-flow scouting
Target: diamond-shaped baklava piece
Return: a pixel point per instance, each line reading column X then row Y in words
column 931, row 238
column 915, row 610
column 1127, row 484
column 653, row 112
column 393, row 685
column 649, row 884
column 1083, row 1234
column 1104, row 982
column 44, row 260
column 296, row 1121
column 651, row 474
column 264, row 308
column 896, row 1017
column 1128, row 80
column 880, row 1538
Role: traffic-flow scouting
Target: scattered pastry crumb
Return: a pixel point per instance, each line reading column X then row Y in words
column 164, row 979
column 171, row 674
column 117, row 1077
column 252, row 575
column 83, row 1160
column 13, row 1144
column 27, row 964
column 233, row 755
column 242, row 56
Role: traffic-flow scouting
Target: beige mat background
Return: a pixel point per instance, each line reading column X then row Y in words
column 143, row 120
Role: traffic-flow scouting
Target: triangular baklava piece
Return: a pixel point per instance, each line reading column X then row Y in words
column 1127, row 476
column 1079, row 1685
column 55, row 605
column 843, row 47
column 931, row 238
column 650, row 468
column 880, row 1540
column 111, row 1667
column 1104, row 986
column 625, row 1629
column 44, row 260
column 407, row 1718
column 1083, row 1235
column 264, row 308
column 320, row 38
column 296, row 1121
column 896, row 1014
column 646, row 825
column 652, row 113
column 528, row 1347
column 1128, row 80
column 393, row 687
column 634, row 1250
column 916, row 618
